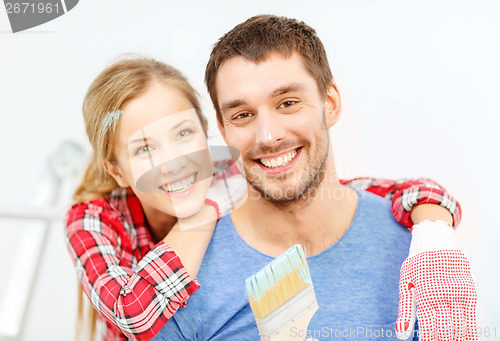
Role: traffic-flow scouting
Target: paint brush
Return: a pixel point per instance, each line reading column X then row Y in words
column 282, row 296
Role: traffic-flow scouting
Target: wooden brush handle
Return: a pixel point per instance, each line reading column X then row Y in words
column 299, row 326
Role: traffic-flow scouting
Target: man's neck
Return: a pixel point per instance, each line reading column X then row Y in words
column 315, row 225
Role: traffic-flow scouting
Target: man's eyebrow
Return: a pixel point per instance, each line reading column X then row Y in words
column 278, row 92
column 287, row 88
column 232, row 104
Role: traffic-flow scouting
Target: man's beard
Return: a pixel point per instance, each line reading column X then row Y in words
column 308, row 183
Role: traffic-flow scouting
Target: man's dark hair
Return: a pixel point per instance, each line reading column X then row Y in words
column 258, row 37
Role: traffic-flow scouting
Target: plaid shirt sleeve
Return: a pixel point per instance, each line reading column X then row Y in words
column 139, row 302
column 406, row 193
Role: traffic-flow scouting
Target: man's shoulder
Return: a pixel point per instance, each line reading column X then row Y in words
column 374, row 216
column 373, row 204
column 372, row 198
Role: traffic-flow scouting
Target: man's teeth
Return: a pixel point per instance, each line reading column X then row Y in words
column 181, row 185
column 279, row 161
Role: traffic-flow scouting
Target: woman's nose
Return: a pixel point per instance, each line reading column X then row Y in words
column 173, row 165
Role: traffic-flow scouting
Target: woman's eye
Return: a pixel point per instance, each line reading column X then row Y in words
column 143, row 149
column 287, row 104
column 184, row 133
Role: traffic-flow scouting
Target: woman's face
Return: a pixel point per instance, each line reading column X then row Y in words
column 161, row 152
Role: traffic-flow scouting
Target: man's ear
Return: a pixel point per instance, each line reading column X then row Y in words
column 117, row 174
column 333, row 105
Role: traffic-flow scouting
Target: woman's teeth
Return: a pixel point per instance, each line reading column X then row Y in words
column 181, row 185
column 279, row 161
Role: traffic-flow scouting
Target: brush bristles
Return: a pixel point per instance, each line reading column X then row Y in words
column 278, row 282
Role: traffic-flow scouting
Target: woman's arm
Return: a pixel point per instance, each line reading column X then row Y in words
column 190, row 243
column 413, row 200
column 430, row 212
column 140, row 302
column 137, row 298
column 190, row 237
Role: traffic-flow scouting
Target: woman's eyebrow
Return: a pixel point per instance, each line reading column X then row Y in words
column 180, row 123
column 145, row 139
column 141, row 139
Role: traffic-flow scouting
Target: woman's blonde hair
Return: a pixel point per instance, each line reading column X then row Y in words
column 113, row 87
column 108, row 93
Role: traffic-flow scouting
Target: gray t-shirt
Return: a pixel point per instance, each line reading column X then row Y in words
column 355, row 280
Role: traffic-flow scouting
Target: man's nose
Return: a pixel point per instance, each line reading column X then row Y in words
column 270, row 128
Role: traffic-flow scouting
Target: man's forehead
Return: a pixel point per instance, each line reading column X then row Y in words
column 270, row 57
column 240, row 75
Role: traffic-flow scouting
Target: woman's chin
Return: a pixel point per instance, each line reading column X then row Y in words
column 190, row 205
column 188, row 209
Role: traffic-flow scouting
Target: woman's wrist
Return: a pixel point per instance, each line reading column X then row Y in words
column 432, row 236
column 204, row 220
column 422, row 212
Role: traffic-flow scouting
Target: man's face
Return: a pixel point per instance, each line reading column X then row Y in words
column 274, row 115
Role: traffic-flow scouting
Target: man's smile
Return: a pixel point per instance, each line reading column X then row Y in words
column 279, row 162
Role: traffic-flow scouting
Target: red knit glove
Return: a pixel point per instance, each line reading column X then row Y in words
column 436, row 286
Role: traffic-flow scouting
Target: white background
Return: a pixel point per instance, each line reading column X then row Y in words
column 419, row 82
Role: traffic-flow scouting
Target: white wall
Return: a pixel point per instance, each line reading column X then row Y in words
column 419, row 82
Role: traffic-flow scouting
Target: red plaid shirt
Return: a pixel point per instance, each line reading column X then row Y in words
column 137, row 286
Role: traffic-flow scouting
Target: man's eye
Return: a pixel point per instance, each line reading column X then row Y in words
column 287, row 104
column 242, row 116
column 143, row 149
column 184, row 133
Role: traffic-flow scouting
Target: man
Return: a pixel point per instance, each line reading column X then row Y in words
column 275, row 99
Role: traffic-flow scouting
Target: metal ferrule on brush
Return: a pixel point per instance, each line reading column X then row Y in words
column 275, row 323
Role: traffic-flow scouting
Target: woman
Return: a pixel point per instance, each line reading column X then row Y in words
column 148, row 178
